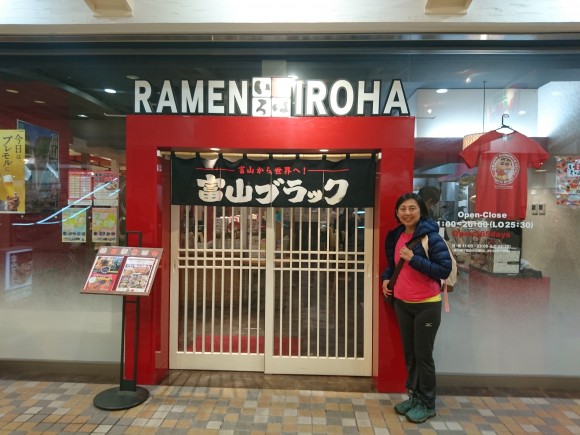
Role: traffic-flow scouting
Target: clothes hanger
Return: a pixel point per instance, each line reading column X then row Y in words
column 504, row 125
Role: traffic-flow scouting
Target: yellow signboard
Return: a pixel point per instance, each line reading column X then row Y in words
column 12, row 171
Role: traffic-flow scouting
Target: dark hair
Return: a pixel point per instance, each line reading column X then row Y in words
column 41, row 147
column 420, row 202
column 430, row 193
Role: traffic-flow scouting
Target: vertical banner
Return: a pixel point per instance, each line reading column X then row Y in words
column 74, row 225
column 12, row 171
column 104, row 225
column 568, row 181
column 42, row 176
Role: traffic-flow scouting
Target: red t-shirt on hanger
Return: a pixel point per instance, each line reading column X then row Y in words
column 501, row 183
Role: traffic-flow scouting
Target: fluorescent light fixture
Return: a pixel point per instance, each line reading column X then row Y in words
column 111, row 8
column 110, row 91
column 12, row 91
column 447, row 7
column 441, row 91
column 80, row 115
column 214, row 149
column 40, row 102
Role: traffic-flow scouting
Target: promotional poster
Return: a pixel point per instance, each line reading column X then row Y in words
column 12, row 171
column 42, row 168
column 568, row 181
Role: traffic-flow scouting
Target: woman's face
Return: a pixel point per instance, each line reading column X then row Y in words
column 409, row 213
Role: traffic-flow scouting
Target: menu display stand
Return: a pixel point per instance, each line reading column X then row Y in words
column 126, row 271
column 128, row 394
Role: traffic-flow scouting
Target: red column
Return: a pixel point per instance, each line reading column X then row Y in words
column 146, row 201
column 394, row 179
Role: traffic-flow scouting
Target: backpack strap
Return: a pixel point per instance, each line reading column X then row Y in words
column 425, row 244
column 445, row 298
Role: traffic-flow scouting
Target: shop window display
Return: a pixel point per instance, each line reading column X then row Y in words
column 513, row 279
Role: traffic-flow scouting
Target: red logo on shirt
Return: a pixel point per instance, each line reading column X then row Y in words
column 504, row 169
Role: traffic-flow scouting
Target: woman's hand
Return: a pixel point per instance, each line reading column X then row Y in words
column 406, row 254
column 386, row 291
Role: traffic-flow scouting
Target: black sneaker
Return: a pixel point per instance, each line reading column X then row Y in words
column 420, row 413
column 404, row 407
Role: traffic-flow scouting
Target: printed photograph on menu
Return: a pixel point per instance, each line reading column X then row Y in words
column 137, row 275
column 104, row 274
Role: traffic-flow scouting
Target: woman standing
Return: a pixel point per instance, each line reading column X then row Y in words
column 417, row 299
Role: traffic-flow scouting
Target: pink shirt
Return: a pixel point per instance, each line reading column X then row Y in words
column 412, row 285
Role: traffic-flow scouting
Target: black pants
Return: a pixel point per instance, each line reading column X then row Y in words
column 419, row 324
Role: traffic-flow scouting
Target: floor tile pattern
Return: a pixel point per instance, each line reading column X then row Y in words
column 56, row 407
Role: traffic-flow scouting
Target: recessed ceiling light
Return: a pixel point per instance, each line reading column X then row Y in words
column 468, row 80
column 40, row 102
column 441, row 91
column 12, row 91
column 132, row 76
column 110, row 91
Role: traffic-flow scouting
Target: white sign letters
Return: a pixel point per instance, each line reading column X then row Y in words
column 272, row 97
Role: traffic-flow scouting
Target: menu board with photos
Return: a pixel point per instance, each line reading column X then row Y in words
column 93, row 188
column 80, row 187
column 106, row 188
column 74, row 225
column 123, row 271
column 104, row 228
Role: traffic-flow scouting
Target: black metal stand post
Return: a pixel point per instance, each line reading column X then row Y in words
column 128, row 394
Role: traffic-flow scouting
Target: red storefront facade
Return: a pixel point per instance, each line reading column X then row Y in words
column 148, row 202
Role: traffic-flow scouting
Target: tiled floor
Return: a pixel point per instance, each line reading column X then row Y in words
column 239, row 403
